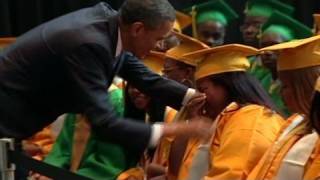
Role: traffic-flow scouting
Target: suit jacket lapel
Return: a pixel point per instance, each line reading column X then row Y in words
column 113, row 37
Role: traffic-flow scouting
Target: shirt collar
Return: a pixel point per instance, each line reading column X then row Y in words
column 119, row 44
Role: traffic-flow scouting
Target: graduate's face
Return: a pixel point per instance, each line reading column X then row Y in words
column 211, row 33
column 143, row 39
column 269, row 58
column 140, row 100
column 216, row 95
column 287, row 92
column 176, row 72
column 250, row 29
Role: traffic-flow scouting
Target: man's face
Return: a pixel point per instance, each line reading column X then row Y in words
column 269, row 58
column 144, row 39
column 250, row 29
column 211, row 33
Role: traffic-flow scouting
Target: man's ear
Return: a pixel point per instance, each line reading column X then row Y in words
column 137, row 28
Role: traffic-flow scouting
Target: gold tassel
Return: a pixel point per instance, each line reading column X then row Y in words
column 194, row 28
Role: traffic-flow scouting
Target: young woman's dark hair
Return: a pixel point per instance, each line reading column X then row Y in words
column 156, row 110
column 315, row 112
column 243, row 89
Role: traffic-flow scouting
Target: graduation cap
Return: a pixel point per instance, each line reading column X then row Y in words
column 286, row 26
column 227, row 58
column 154, row 61
column 187, row 45
column 182, row 21
column 266, row 7
column 297, row 54
column 215, row 10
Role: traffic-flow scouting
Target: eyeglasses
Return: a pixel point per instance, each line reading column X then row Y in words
column 169, row 70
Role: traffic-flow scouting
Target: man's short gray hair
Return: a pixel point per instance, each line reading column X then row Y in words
column 151, row 12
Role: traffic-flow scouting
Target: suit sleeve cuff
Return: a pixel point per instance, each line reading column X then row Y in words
column 188, row 96
column 156, row 134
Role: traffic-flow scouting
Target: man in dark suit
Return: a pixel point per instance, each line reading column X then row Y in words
column 68, row 63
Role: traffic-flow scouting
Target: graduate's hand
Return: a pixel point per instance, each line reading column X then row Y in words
column 31, row 149
column 195, row 106
column 198, row 128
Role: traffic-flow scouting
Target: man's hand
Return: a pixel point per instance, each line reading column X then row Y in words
column 198, row 127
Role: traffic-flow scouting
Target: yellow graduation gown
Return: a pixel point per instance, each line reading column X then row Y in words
column 243, row 135
column 312, row 170
column 161, row 154
column 269, row 165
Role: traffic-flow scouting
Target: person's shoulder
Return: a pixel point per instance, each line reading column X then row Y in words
column 84, row 26
column 252, row 115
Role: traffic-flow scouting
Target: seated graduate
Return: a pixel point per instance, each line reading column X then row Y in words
column 278, row 29
column 176, row 66
column 210, row 20
column 295, row 149
column 180, row 69
column 257, row 12
column 78, row 149
column 244, row 120
column 141, row 106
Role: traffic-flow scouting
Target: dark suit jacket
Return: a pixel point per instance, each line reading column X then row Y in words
column 66, row 65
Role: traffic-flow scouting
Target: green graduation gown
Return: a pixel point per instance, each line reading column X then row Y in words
column 101, row 160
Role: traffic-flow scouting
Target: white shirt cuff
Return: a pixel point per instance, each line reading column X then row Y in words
column 156, row 134
column 188, row 96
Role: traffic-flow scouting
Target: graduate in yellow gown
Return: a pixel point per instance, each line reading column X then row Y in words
column 278, row 29
column 295, row 149
column 153, row 61
column 180, row 69
column 240, row 110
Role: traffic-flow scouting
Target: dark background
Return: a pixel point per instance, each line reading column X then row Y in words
column 18, row 16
